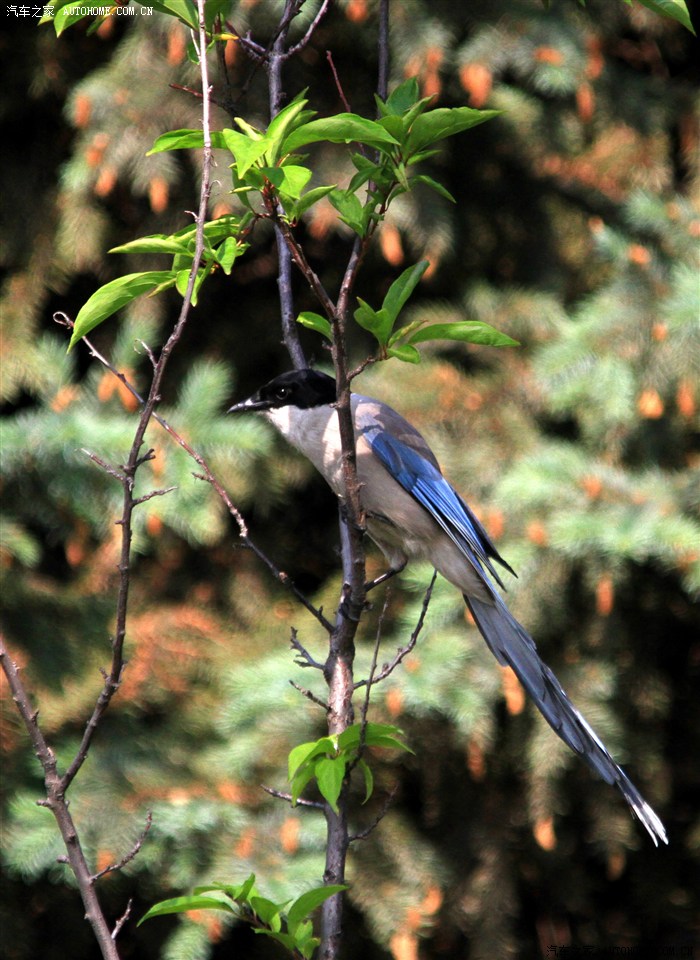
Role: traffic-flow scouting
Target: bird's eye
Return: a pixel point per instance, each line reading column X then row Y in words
column 281, row 393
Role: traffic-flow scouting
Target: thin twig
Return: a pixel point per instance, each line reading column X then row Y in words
column 338, row 85
column 58, row 805
column 403, row 652
column 122, row 920
column 310, row 695
column 363, row 834
column 128, row 857
column 306, row 659
column 300, row 802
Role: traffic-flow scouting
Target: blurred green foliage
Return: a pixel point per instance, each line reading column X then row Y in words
column 575, row 232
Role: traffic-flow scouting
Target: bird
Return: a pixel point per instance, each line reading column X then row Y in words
column 413, row 513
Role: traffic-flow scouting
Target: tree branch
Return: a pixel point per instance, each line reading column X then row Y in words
column 58, row 805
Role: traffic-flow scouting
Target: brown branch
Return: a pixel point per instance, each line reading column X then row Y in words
column 58, row 805
column 338, row 85
column 134, row 460
column 300, row 802
column 56, row 784
column 403, row 652
column 128, row 857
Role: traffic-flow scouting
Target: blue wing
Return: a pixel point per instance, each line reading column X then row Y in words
column 508, row 640
column 427, row 485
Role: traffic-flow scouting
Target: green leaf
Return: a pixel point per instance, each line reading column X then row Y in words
column 185, row 139
column 246, row 151
column 464, row 331
column 341, row 128
column 300, row 780
column 376, row 321
column 238, row 892
column 227, row 253
column 314, row 321
column 183, row 10
column 405, row 353
column 402, row 288
column 283, row 123
column 289, row 180
column 350, row 209
column 308, row 902
column 369, row 778
column 308, row 200
column 112, row 297
column 444, row 122
column 330, row 773
column 306, row 751
column 434, row 185
column 401, row 98
column 156, row 243
column 66, row 14
column 675, row 9
column 267, row 910
column 183, row 904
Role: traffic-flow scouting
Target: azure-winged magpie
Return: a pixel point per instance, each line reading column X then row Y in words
column 413, row 512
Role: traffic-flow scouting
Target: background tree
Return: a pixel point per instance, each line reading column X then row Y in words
column 575, row 231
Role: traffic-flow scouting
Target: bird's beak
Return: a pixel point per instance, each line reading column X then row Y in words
column 250, row 405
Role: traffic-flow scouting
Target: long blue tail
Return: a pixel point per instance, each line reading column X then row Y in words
column 513, row 646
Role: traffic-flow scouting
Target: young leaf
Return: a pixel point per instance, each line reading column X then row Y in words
column 676, row 9
column 71, row 12
column 183, row 10
column 112, row 297
column 183, row 904
column 305, row 751
column 300, row 779
column 227, row 253
column 370, row 319
column 434, row 185
column 238, row 892
column 267, row 910
column 185, row 140
column 308, row 902
column 341, row 128
column 349, row 208
column 289, row 180
column 464, row 331
column 245, row 150
column 156, row 243
column 369, row 779
column 308, row 200
column 402, row 288
column 314, row 321
column 444, row 122
column 330, row 773
column 405, row 353
column 403, row 97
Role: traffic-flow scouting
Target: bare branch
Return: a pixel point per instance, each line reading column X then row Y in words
column 363, row 834
column 122, row 920
column 403, row 652
column 309, row 695
column 300, row 802
column 58, row 805
column 299, row 46
column 127, row 858
column 306, row 659
column 336, row 78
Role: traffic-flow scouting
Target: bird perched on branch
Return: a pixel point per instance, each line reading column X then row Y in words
column 412, row 512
